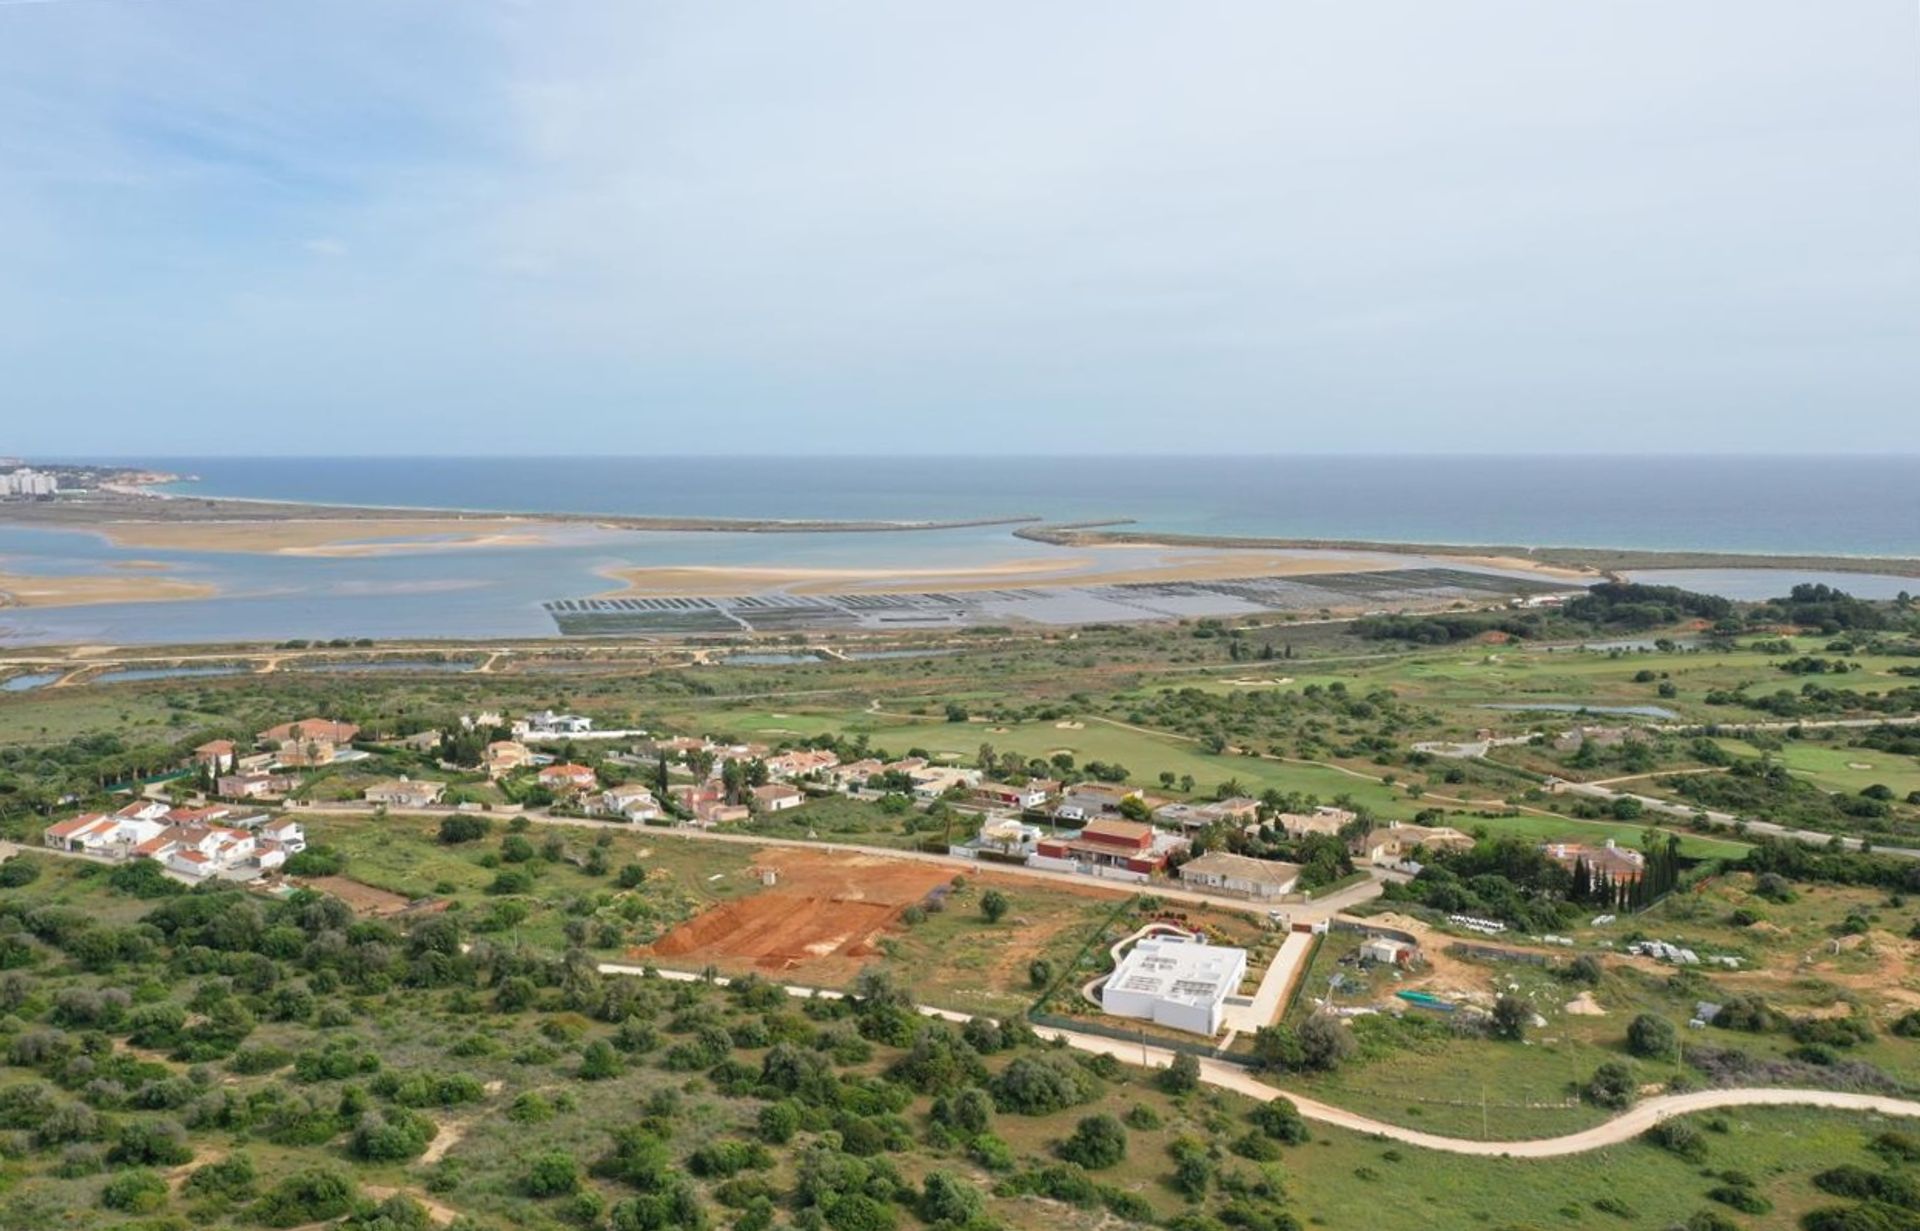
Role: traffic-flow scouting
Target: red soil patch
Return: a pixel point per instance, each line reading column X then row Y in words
column 364, row 900
column 824, row 906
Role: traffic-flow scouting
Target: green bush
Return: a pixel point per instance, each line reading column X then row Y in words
column 134, row 1192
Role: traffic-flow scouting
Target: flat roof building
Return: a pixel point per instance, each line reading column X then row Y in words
column 1174, row 982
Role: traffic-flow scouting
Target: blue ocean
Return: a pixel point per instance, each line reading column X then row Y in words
column 1828, row 505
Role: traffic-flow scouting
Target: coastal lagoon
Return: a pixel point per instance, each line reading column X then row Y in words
column 515, row 580
column 504, row 591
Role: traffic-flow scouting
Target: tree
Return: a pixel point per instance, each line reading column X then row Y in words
column 1510, row 1019
column 993, row 905
column 1097, row 1142
column 946, row 1201
column 1276, row 1048
column 1324, row 1042
column 1182, row 1075
column 457, row 829
column 1650, row 1036
column 1040, row 971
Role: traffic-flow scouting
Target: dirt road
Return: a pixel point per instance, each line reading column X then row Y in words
column 1623, row 1127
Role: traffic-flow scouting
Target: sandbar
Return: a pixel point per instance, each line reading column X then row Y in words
column 329, row 537
column 21, row 590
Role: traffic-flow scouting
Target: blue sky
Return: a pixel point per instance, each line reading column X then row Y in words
column 564, row 227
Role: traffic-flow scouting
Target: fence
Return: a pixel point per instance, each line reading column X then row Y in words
column 1190, row 1046
column 1067, row 973
column 1489, row 953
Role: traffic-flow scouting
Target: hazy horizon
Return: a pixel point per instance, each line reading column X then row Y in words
column 412, row 229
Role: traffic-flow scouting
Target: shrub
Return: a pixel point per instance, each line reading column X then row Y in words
column 1611, row 1085
column 1182, row 1075
column 948, row 1201
column 1651, row 1036
column 306, row 1196
column 134, row 1192
column 552, row 1174
column 157, row 1143
column 231, row 1178
column 600, row 1061
column 1097, row 1142
column 1281, row 1120
column 1741, row 1198
column 1042, row 1084
column 1681, row 1138
column 455, row 830
column 391, row 1136
column 779, row 1122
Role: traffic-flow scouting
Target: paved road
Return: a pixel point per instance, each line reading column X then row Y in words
column 1623, row 1127
column 1667, row 807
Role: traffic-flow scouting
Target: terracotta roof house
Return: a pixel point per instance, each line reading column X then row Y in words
column 218, row 753
column 1619, row 863
column 1238, row 874
column 1397, row 842
column 776, row 797
column 1322, row 820
column 568, row 777
column 406, row 793
column 310, row 741
column 506, row 755
column 311, row 728
column 709, row 806
column 801, row 762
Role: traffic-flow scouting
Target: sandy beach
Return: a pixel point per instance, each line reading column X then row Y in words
column 21, row 590
column 1079, row 569
column 330, row 537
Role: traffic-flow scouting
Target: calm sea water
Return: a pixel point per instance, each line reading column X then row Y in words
column 1843, row 505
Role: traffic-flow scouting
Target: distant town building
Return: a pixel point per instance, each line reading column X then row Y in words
column 548, row 723
column 28, row 484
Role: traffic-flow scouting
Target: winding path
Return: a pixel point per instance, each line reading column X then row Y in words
column 1623, row 1127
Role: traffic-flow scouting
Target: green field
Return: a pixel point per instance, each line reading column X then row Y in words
column 1837, row 767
